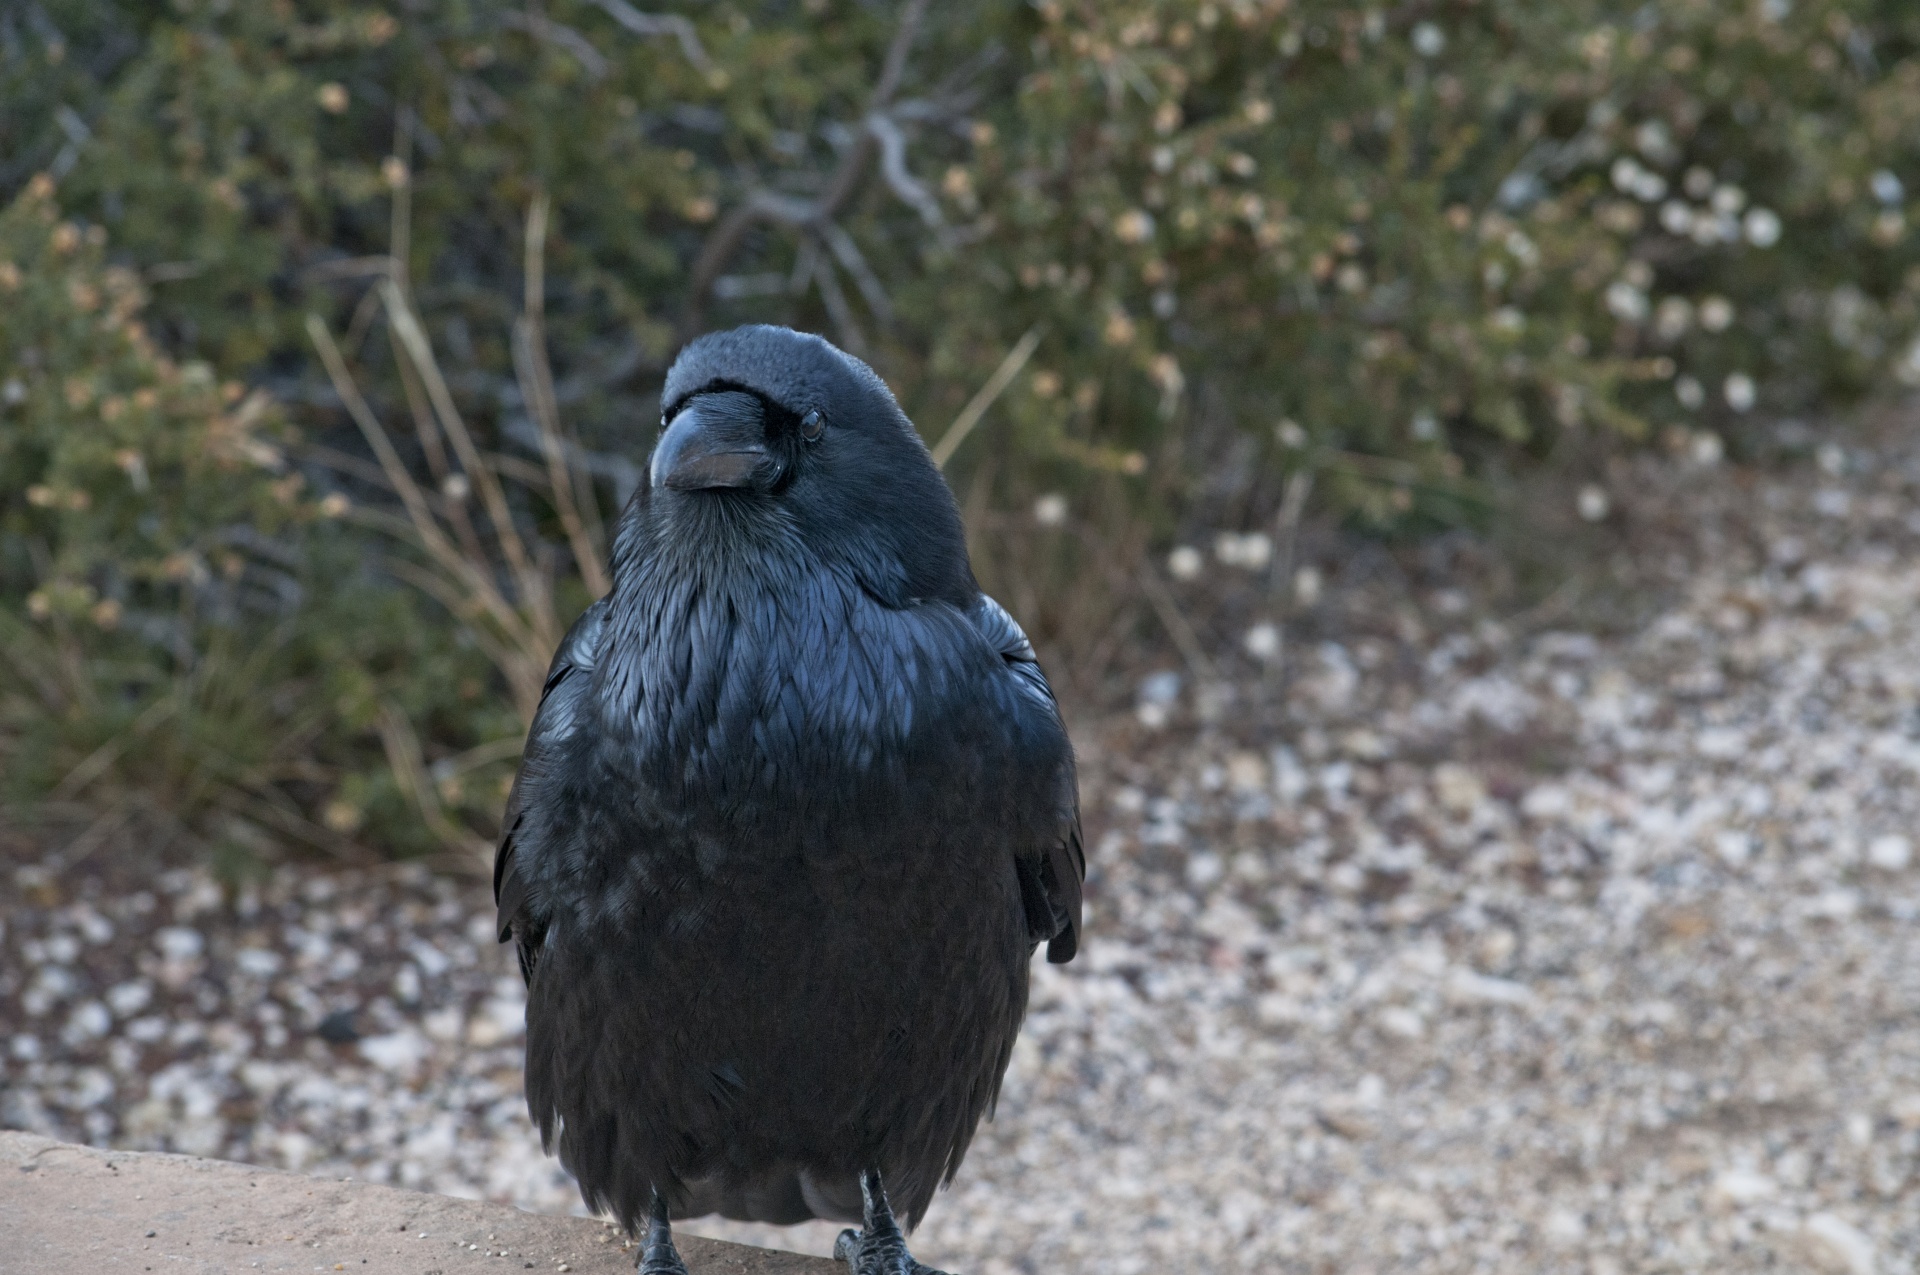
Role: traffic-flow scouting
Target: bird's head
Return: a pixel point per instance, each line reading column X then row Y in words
column 783, row 431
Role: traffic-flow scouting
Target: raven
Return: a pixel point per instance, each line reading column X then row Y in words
column 795, row 811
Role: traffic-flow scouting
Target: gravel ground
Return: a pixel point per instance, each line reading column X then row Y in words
column 1463, row 947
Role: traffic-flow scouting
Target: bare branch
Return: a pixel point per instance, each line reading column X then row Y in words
column 395, row 469
column 1178, row 627
column 977, row 406
column 847, row 253
column 101, row 759
column 266, row 809
column 731, row 233
column 893, row 166
column 715, row 254
column 346, row 268
column 731, row 287
column 361, row 321
column 414, row 339
column 432, row 444
column 572, row 488
column 423, row 424
column 475, row 588
column 536, row 387
column 558, row 34
column 896, row 62
column 402, row 747
column 1293, row 506
column 657, row 24
column 523, row 672
column 837, row 308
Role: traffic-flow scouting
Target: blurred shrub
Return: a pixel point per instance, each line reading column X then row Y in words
column 1188, row 249
column 144, row 512
column 190, row 638
column 1405, row 242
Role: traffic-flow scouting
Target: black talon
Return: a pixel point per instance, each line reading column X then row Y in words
column 879, row 1248
column 658, row 1256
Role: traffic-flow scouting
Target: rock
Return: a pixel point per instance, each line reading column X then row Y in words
column 1465, row 987
column 1738, row 1188
column 1457, row 788
column 338, row 1028
column 1401, row 1023
column 1836, row 1245
column 1891, row 853
column 1563, row 1229
column 178, row 943
column 399, row 1052
column 1349, row 1123
column 71, row 1208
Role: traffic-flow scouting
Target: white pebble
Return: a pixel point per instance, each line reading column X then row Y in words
column 1741, row 1187
column 1402, row 1023
column 178, row 943
column 399, row 1052
column 1564, row 1228
column 1891, row 853
column 129, row 997
column 257, row 962
column 1465, row 986
column 89, row 1021
column 1838, row 1246
column 1733, row 846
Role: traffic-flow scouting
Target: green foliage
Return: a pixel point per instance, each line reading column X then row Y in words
column 1401, row 246
column 143, row 539
column 1434, row 237
column 187, row 633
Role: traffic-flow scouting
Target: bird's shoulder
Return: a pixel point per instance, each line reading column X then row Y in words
column 579, row 648
column 556, row 721
column 1052, row 882
column 1009, row 641
column 1001, row 630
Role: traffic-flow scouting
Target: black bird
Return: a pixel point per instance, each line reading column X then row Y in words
column 795, row 811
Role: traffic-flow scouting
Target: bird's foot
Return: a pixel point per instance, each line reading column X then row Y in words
column 661, row 1260
column 879, row 1248
column 867, row 1254
column 657, row 1255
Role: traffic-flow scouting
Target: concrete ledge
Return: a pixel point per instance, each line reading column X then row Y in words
column 69, row 1208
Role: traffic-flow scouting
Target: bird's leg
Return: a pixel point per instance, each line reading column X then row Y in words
column 659, row 1257
column 879, row 1248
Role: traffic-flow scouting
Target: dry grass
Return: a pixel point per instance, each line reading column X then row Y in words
column 463, row 546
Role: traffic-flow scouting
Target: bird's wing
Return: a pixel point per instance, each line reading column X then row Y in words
column 1051, row 884
column 553, row 723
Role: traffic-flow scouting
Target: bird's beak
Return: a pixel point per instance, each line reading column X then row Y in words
column 703, row 449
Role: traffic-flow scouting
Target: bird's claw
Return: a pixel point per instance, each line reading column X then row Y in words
column 882, row 1255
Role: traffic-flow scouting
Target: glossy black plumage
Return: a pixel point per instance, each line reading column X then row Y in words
column 794, row 813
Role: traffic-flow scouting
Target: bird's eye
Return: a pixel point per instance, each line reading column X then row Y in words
column 812, row 425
